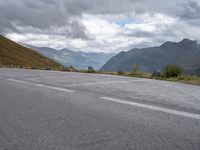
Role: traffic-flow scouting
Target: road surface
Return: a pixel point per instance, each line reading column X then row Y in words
column 49, row 110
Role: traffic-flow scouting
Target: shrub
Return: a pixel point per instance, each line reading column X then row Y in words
column 47, row 68
column 91, row 69
column 156, row 74
column 172, row 71
column 33, row 67
column 70, row 69
column 121, row 72
column 136, row 68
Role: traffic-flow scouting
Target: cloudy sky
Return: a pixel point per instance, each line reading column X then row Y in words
column 99, row 25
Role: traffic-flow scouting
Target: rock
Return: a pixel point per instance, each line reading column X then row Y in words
column 156, row 74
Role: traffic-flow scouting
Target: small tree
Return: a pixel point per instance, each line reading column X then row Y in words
column 91, row 69
column 136, row 68
column 121, row 72
column 172, row 71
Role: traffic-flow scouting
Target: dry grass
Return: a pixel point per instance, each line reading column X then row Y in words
column 17, row 56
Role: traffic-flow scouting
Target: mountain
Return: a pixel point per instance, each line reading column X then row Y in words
column 80, row 60
column 185, row 53
column 15, row 55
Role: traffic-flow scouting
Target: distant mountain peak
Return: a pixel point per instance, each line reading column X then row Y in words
column 185, row 53
column 185, row 41
column 166, row 44
column 188, row 41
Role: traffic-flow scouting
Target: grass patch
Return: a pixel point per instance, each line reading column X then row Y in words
column 182, row 79
column 14, row 55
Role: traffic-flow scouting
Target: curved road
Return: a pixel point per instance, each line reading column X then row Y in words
column 48, row 110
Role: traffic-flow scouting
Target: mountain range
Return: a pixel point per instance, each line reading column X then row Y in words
column 185, row 53
column 79, row 60
column 13, row 54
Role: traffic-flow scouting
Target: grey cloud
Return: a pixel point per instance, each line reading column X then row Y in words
column 63, row 17
column 47, row 13
column 43, row 14
column 190, row 10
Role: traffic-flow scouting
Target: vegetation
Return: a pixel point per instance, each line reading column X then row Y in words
column 183, row 79
column 157, row 57
column 172, row 71
column 70, row 69
column 121, row 72
column 13, row 55
column 91, row 70
column 136, row 68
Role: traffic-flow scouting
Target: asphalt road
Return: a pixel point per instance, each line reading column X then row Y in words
column 48, row 110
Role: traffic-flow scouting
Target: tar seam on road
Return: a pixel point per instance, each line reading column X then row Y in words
column 155, row 108
column 100, row 83
column 42, row 85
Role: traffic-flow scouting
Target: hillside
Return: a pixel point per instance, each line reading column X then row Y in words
column 185, row 53
column 79, row 60
column 15, row 55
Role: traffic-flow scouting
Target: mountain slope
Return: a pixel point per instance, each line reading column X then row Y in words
column 80, row 60
column 15, row 55
column 185, row 53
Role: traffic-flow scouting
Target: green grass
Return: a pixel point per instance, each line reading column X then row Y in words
column 186, row 79
column 13, row 55
column 182, row 79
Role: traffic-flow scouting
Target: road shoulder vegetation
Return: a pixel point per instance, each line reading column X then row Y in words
column 170, row 73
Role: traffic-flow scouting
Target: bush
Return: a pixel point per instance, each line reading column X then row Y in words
column 156, row 74
column 136, row 68
column 121, row 72
column 48, row 68
column 91, row 70
column 172, row 71
column 70, row 69
column 33, row 67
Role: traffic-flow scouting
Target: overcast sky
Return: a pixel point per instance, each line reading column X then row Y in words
column 99, row 25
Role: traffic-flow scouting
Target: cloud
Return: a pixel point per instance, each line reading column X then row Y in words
column 190, row 10
column 99, row 25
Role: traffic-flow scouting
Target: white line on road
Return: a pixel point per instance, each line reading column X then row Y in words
column 100, row 83
column 155, row 108
column 42, row 85
column 34, row 78
column 63, row 77
column 19, row 81
column 54, row 88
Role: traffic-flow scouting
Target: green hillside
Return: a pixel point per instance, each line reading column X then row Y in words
column 16, row 55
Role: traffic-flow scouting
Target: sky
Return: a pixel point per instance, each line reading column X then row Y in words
column 99, row 25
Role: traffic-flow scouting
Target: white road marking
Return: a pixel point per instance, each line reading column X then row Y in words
column 27, row 74
column 155, row 108
column 63, row 77
column 54, row 88
column 34, row 78
column 42, row 85
column 19, row 81
column 55, row 77
column 100, row 83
